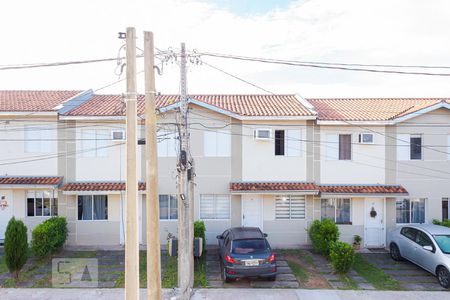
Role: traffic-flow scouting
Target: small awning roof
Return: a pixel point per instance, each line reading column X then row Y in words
column 313, row 188
column 76, row 187
column 30, row 181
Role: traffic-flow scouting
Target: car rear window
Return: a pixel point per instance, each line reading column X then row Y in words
column 249, row 246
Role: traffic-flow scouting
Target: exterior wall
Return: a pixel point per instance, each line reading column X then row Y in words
column 366, row 165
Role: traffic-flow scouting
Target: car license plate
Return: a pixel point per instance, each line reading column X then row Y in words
column 251, row 262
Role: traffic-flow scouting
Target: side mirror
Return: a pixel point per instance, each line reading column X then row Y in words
column 219, row 237
column 265, row 235
column 428, row 248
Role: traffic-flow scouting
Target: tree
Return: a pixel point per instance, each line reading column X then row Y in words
column 16, row 246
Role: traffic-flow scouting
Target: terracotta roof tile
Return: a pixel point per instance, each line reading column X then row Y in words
column 243, row 105
column 31, row 180
column 272, row 186
column 98, row 186
column 370, row 109
column 33, row 100
column 362, row 189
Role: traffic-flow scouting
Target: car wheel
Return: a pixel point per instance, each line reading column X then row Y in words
column 272, row 278
column 225, row 276
column 443, row 276
column 395, row 252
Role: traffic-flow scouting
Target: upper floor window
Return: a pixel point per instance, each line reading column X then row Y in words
column 409, row 147
column 42, row 203
column 410, row 210
column 336, row 209
column 215, row 207
column 40, row 139
column 345, row 147
column 445, row 214
column 216, row 143
column 168, row 207
column 94, row 142
column 167, row 144
column 93, row 207
column 288, row 142
column 289, row 207
column 448, row 147
column 338, row 146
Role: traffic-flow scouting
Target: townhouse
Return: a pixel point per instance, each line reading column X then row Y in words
column 273, row 161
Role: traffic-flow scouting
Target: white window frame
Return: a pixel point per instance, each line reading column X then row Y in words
column 410, row 211
column 216, row 140
column 290, row 207
column 168, row 207
column 417, row 135
column 335, row 209
column 293, row 146
column 92, row 213
column 168, row 144
column 215, row 199
column 40, row 140
column 52, row 192
column 404, row 146
column 96, row 136
column 331, row 146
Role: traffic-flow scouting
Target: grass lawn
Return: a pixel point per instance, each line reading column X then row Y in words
column 170, row 275
column 374, row 275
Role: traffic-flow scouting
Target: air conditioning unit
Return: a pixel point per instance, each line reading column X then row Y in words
column 118, row 135
column 262, row 134
column 366, row 138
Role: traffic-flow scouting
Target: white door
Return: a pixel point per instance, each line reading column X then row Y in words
column 374, row 223
column 252, row 211
column 6, row 211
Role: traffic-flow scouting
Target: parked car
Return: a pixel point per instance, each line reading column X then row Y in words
column 426, row 245
column 245, row 252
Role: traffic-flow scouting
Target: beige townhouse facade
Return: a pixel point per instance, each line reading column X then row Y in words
column 273, row 161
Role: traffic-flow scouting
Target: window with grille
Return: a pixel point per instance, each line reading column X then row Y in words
column 289, row 207
column 215, row 207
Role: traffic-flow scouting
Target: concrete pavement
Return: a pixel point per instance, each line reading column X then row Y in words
column 219, row 294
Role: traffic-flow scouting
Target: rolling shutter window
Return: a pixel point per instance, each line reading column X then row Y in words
column 289, row 207
column 214, row 207
column 345, row 147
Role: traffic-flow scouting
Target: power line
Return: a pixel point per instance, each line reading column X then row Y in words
column 311, row 65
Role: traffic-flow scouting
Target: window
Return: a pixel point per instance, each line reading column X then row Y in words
column 93, row 207
column 345, row 147
column 409, row 147
column 288, row 142
column 216, row 143
column 42, row 203
column 410, row 210
column 444, row 209
column 448, row 147
column 40, row 139
column 167, row 144
column 94, row 142
column 410, row 233
column 289, row 207
column 416, row 147
column 423, row 239
column 168, row 207
column 215, row 207
column 336, row 209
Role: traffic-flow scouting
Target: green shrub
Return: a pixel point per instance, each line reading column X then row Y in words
column 342, row 257
column 49, row 236
column 437, row 222
column 322, row 235
column 445, row 223
column 16, row 246
column 199, row 231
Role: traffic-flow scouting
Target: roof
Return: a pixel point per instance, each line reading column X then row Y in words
column 30, row 180
column 248, row 187
column 246, row 233
column 431, row 228
column 370, row 109
column 35, row 101
column 242, row 105
column 97, row 186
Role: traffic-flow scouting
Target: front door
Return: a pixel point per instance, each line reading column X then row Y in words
column 374, row 223
column 252, row 211
column 6, row 210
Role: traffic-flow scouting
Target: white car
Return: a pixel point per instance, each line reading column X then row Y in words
column 426, row 245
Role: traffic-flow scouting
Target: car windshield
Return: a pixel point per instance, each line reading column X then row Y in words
column 443, row 242
column 249, row 246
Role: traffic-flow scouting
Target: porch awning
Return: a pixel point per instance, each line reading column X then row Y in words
column 273, row 187
column 30, row 181
column 363, row 190
column 96, row 187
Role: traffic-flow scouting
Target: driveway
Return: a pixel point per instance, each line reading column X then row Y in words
column 410, row 276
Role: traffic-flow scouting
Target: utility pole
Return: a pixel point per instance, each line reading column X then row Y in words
column 131, row 186
column 152, row 206
column 185, row 244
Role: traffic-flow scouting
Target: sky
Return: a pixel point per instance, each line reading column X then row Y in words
column 348, row 31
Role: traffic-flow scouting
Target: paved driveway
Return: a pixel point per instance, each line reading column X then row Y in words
column 410, row 276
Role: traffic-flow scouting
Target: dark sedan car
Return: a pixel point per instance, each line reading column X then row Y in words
column 245, row 252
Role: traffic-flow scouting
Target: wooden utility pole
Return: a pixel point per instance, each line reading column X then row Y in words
column 152, row 206
column 185, row 258
column 131, row 229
